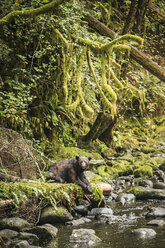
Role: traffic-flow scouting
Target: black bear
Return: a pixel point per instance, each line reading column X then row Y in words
column 71, row 171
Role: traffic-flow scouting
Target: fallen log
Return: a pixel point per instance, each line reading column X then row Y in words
column 137, row 55
column 10, row 178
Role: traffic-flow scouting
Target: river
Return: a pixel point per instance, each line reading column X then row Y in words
column 117, row 233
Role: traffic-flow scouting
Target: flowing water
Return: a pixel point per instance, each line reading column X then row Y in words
column 117, row 233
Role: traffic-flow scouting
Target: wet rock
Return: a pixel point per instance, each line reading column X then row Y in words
column 21, row 244
column 45, row 233
column 156, row 223
column 145, row 183
column 14, row 223
column 78, row 222
column 125, row 198
column 52, row 216
column 112, row 197
column 30, row 237
column 2, row 243
column 162, row 166
column 142, row 193
column 144, row 233
column 101, row 212
column 8, row 234
column 84, row 236
column 159, row 185
column 82, row 208
column 97, row 162
column 105, row 187
column 158, row 212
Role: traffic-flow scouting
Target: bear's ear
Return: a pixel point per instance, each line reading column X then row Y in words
column 77, row 157
column 89, row 158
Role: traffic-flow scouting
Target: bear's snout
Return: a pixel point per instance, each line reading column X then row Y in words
column 84, row 165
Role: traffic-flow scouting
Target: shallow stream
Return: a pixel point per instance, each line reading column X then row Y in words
column 117, row 233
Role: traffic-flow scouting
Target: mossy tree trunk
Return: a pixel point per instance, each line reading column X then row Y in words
column 131, row 17
column 101, row 129
column 140, row 13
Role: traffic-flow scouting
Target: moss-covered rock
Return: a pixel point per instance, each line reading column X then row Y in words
column 142, row 193
column 123, row 168
column 144, row 171
column 16, row 155
column 52, row 215
column 14, row 223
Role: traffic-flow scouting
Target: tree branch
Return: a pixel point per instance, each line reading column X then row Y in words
column 30, row 13
column 138, row 56
column 7, row 177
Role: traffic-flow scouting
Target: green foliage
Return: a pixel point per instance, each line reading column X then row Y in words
column 53, row 194
column 97, row 193
column 46, row 86
column 15, row 98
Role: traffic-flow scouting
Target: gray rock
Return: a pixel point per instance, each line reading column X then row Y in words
column 45, row 233
column 52, row 216
column 156, row 223
column 8, row 234
column 30, row 237
column 82, row 208
column 144, row 233
column 156, row 212
column 101, row 211
column 22, row 244
column 125, row 198
column 159, row 185
column 14, row 223
column 145, row 183
column 78, row 222
column 84, row 236
column 97, row 162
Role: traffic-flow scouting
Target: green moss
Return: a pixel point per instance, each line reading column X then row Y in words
column 148, row 149
column 70, row 152
column 95, row 179
column 52, row 193
column 102, row 171
column 144, row 171
column 146, row 193
column 123, row 169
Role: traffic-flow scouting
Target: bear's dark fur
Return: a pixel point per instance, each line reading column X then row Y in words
column 71, row 171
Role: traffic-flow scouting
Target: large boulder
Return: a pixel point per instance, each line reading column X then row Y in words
column 13, row 223
column 8, row 234
column 16, row 155
column 52, row 216
column 45, row 233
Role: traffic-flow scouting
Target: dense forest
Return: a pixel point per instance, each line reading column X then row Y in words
column 82, row 78
column 73, row 70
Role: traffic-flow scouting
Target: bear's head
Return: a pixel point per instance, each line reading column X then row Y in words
column 83, row 162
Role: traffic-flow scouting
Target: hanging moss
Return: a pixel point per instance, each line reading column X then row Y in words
column 126, row 37
column 80, row 95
